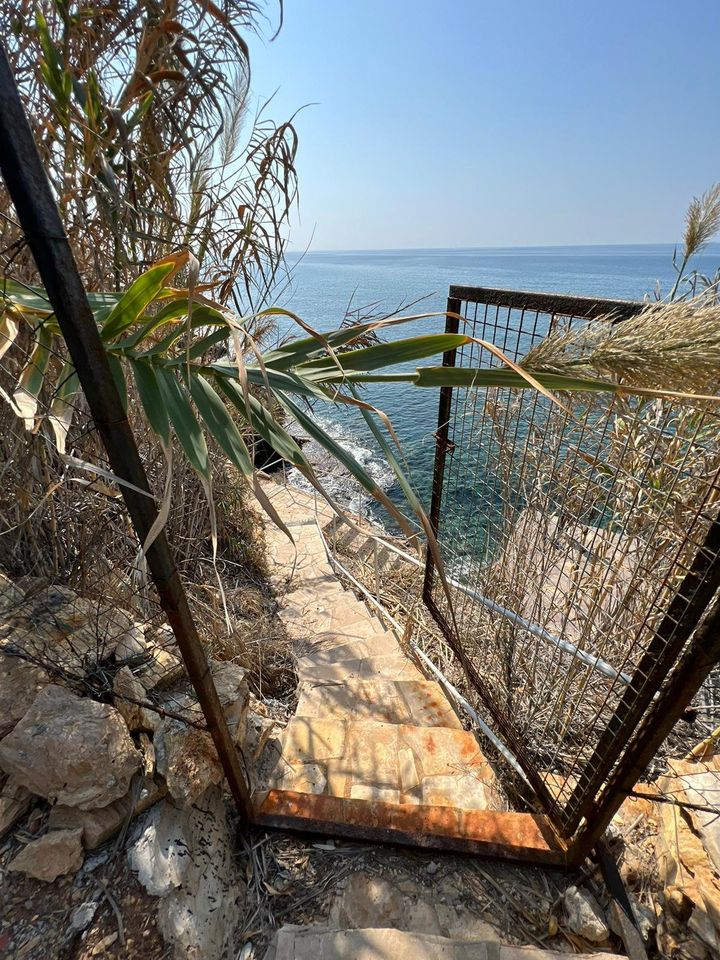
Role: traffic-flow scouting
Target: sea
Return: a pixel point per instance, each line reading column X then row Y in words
column 324, row 287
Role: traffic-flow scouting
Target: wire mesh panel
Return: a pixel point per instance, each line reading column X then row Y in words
column 580, row 544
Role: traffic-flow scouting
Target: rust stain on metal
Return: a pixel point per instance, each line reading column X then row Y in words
column 512, row 836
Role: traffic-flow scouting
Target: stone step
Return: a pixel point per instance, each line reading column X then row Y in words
column 309, row 943
column 337, row 647
column 389, row 667
column 320, row 612
column 394, row 763
column 418, row 702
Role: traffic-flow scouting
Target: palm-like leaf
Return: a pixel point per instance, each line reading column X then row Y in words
column 151, row 331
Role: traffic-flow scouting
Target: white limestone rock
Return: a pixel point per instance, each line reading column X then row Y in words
column 185, row 857
column 584, row 915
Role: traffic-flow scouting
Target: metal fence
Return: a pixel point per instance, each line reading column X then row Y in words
column 582, row 549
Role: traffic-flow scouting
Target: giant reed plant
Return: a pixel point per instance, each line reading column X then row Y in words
column 139, row 110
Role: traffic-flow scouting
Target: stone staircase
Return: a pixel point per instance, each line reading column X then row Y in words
column 375, row 750
column 315, row 943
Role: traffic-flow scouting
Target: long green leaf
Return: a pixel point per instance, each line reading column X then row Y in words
column 187, row 429
column 202, row 316
column 388, row 354
column 32, row 298
column 200, row 319
column 220, row 424
column 264, row 423
column 205, row 343
column 478, row 377
column 503, row 377
column 151, row 398
column 135, row 301
column 298, row 350
column 277, row 379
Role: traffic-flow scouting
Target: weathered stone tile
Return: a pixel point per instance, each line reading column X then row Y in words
column 339, row 778
column 409, row 776
column 465, row 792
column 367, row 668
column 371, row 754
column 312, row 740
column 364, row 791
column 440, row 751
column 427, row 705
column 351, row 650
column 300, row 777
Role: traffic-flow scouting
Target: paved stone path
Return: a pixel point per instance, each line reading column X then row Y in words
column 375, row 750
column 368, row 726
column 308, row 943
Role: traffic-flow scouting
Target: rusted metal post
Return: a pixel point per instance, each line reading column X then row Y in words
column 684, row 613
column 39, row 218
column 702, row 655
column 441, row 443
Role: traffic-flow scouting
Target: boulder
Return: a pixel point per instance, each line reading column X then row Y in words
column 127, row 689
column 234, row 695
column 162, row 669
column 51, row 856
column 100, row 824
column 186, row 759
column 71, row 750
column 53, row 623
column 131, row 644
column 20, row 683
column 185, row 856
column 584, row 915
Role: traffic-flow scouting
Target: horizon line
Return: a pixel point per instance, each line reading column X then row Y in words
column 523, row 246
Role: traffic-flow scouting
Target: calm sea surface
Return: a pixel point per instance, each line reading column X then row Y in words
column 325, row 285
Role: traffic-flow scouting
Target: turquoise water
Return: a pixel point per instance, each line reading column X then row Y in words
column 325, row 285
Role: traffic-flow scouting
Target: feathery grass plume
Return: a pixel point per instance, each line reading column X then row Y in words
column 702, row 222
column 670, row 346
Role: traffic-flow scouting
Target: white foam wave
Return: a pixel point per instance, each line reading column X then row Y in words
column 335, row 478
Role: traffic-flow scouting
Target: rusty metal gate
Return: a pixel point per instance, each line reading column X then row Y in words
column 581, row 548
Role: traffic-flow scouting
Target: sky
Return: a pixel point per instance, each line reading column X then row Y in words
column 495, row 122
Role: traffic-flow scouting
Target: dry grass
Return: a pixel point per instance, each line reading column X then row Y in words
column 670, row 346
column 139, row 113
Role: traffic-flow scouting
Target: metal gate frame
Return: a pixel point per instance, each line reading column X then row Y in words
column 642, row 722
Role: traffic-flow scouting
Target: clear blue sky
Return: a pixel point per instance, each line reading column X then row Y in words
column 510, row 122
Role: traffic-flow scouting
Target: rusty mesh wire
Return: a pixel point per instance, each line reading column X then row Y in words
column 577, row 546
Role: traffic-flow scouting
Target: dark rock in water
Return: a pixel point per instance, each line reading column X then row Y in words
column 267, row 459
column 264, row 457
